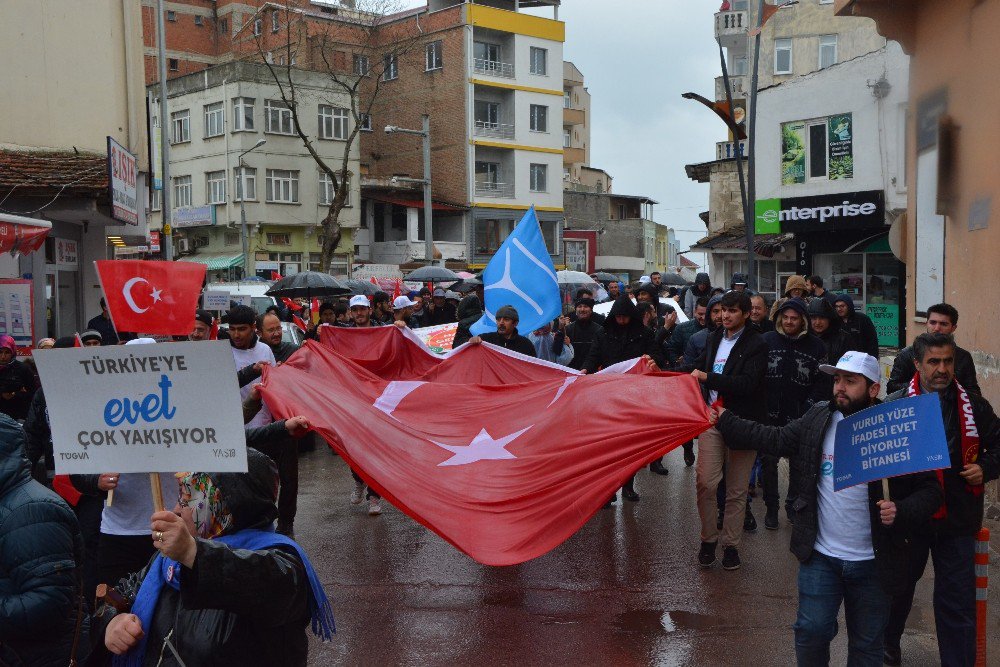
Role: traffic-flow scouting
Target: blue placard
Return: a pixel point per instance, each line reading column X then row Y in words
column 888, row 440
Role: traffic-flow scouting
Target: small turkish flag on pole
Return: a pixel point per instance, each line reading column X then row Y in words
column 77, row 341
column 275, row 275
column 151, row 297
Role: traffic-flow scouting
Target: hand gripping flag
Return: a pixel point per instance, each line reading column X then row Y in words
column 504, row 466
column 521, row 275
column 151, row 297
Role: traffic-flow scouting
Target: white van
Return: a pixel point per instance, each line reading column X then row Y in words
column 255, row 289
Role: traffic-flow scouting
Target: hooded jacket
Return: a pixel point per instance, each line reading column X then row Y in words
column 792, row 369
column 18, row 383
column 793, row 282
column 702, row 287
column 41, row 552
column 699, row 339
column 585, row 335
column 468, row 313
column 860, row 326
column 836, row 340
column 621, row 343
column 234, row 607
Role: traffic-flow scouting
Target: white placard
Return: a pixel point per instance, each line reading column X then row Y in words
column 143, row 408
column 240, row 300
column 215, row 300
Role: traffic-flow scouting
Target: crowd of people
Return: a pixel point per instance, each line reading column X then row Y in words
column 218, row 576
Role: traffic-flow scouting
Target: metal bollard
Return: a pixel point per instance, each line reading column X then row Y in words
column 982, row 588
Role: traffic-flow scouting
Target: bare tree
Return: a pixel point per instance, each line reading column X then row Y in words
column 357, row 50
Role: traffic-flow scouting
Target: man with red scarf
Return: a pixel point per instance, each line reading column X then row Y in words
column 973, row 433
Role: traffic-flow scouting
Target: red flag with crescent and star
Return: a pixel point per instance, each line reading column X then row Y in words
column 151, row 297
column 503, row 456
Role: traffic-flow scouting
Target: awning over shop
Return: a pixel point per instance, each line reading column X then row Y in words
column 765, row 245
column 216, row 261
column 417, row 203
column 20, row 235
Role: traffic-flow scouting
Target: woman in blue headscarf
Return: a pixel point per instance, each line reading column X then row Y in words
column 224, row 588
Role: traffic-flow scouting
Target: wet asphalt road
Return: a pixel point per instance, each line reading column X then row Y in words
column 624, row 590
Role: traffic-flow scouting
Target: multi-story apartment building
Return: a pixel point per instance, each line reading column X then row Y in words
column 216, row 115
column 796, row 40
column 576, row 123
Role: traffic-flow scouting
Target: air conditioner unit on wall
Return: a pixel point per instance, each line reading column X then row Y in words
column 183, row 245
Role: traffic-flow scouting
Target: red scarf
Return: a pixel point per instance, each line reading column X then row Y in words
column 970, row 438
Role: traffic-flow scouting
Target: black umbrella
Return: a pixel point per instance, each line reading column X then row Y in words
column 605, row 277
column 466, row 285
column 308, row 284
column 364, row 287
column 672, row 279
column 432, row 274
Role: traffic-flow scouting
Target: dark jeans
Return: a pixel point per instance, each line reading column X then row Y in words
column 769, row 480
column 954, row 596
column 285, row 454
column 824, row 583
column 120, row 555
column 370, row 492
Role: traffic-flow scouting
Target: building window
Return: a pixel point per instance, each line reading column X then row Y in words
column 232, row 238
column 487, row 173
column 248, row 185
column 486, row 114
column 258, row 25
column 277, row 117
column 327, row 192
column 332, row 122
column 171, row 16
column 182, row 191
column 198, row 20
column 567, row 137
column 156, row 200
column 275, row 21
column 539, row 118
column 366, row 122
column 223, row 26
column 783, row 56
column 215, row 115
column 390, row 67
column 434, row 56
column 242, row 114
column 282, row 186
column 827, row 51
column 539, row 178
column 180, row 124
column 539, row 59
column 215, row 187
column 174, row 64
column 361, row 65
column 282, row 238
column 740, row 67
column 567, row 99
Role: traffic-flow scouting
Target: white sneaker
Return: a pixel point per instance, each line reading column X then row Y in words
column 358, row 494
column 374, row 506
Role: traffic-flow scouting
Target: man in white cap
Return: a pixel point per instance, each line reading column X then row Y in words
column 402, row 312
column 441, row 312
column 849, row 543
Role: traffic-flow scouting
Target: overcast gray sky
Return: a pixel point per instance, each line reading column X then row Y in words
column 637, row 57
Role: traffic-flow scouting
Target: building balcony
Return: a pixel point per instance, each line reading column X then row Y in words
column 725, row 150
column 496, row 190
column 574, row 116
column 493, row 68
column 731, row 30
column 573, row 155
column 739, row 84
column 493, row 130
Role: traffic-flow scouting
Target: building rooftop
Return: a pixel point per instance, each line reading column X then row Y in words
column 34, row 172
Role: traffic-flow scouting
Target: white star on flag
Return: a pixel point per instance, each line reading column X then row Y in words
column 156, row 294
column 483, row 447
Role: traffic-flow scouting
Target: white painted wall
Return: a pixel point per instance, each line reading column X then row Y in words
column 878, row 125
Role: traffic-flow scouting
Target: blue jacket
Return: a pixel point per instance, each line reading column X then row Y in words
column 40, row 555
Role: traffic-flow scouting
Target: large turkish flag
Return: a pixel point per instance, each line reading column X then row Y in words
column 505, row 470
column 151, row 297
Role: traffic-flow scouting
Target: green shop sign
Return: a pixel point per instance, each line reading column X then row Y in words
column 885, row 317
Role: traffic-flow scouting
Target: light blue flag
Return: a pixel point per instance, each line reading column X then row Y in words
column 521, row 275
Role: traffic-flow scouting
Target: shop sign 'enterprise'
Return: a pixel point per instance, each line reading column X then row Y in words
column 847, row 210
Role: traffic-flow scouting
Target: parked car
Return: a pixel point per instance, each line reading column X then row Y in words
column 255, row 289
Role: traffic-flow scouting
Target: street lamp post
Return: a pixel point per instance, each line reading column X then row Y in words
column 244, row 236
column 425, row 134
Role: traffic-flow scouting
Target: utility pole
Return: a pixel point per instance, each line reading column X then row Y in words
column 244, row 234
column 752, row 148
column 428, row 206
column 161, row 38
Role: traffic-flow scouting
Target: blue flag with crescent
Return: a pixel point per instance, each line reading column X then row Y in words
column 521, row 275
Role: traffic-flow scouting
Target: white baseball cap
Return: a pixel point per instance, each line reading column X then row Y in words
column 359, row 300
column 856, row 362
column 401, row 302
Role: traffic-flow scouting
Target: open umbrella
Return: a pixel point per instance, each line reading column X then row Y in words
column 573, row 277
column 466, row 285
column 308, row 284
column 365, row 287
column 432, row 274
column 673, row 279
column 605, row 277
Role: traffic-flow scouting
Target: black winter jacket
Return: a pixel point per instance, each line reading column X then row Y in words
column 679, row 340
column 585, row 335
column 623, row 343
column 16, row 379
column 917, row 496
column 792, row 371
column 470, row 310
column 964, row 510
column 741, row 385
column 860, row 326
column 903, row 371
column 41, row 552
column 516, row 342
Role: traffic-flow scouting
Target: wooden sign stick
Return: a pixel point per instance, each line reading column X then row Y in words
column 154, row 483
column 885, row 488
column 111, row 498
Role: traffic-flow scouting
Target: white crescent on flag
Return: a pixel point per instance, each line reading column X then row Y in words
column 127, row 294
